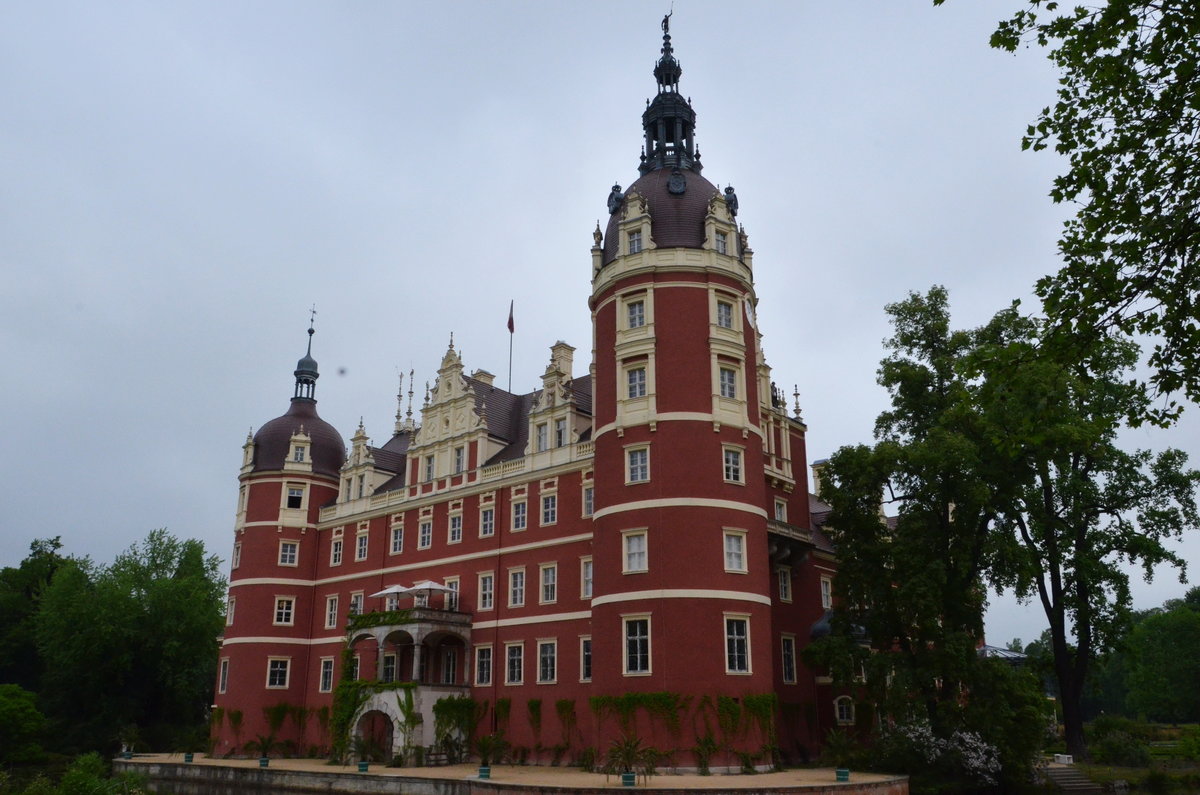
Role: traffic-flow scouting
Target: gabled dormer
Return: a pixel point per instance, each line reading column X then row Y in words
column 299, row 457
column 554, row 419
column 453, row 434
column 359, row 477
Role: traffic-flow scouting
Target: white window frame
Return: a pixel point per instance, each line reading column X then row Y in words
column 520, row 516
column 516, row 586
column 453, row 594
column 430, row 467
column 780, row 510
column 826, row 593
column 223, row 675
column 634, row 239
column 541, row 437
column 587, row 572
column 637, row 464
column 325, row 675
column 585, row 658
column 487, row 522
column 727, row 378
column 626, row 620
column 362, row 546
column 357, row 603
column 725, row 319
column 733, row 550
column 629, row 539
column 288, row 494
column 519, row 657
column 298, row 453
column 552, row 645
column 454, row 529
column 425, row 534
column 547, row 583
column 783, row 577
column 487, row 590
column 237, row 555
column 722, row 242
column 289, row 552
column 549, row 509
column 843, row 710
column 480, row 650
column 230, row 605
column 288, row 611
column 331, row 611
column 787, row 654
column 561, row 435
column 287, row 672
column 460, row 459
column 335, row 552
column 589, row 500
column 636, row 378
column 731, row 638
column 733, row 465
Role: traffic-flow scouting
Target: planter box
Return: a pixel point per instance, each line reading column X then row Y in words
column 485, row 771
column 843, row 774
column 263, row 761
column 362, row 766
column 187, row 758
column 629, row 779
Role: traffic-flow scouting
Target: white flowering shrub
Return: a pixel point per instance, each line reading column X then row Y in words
column 913, row 748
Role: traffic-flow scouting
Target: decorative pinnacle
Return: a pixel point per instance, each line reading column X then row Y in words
column 312, row 316
column 796, row 397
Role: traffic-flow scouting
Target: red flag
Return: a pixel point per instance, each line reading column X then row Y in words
column 511, row 327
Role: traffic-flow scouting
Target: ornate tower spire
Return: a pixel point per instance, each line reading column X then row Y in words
column 669, row 121
column 306, row 369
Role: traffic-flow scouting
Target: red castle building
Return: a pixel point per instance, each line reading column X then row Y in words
column 627, row 549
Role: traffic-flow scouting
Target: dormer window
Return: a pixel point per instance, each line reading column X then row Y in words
column 429, row 467
column 635, row 242
column 298, row 453
column 542, row 434
column 362, row 486
column 460, row 457
column 560, row 432
column 722, row 243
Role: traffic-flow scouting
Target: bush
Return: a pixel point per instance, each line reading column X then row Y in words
column 1105, row 725
column 1121, row 748
column 1189, row 744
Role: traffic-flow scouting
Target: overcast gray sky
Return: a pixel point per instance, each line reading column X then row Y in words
column 181, row 181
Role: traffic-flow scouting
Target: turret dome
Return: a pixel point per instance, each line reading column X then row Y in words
column 272, row 443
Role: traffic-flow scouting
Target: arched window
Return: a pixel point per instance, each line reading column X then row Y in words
column 843, row 707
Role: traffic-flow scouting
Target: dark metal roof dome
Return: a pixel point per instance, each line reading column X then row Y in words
column 676, row 219
column 273, row 442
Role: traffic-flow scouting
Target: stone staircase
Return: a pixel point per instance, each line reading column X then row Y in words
column 1068, row 779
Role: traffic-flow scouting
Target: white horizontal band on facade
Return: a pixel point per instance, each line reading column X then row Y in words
column 681, row 502
column 681, row 593
column 677, row 416
column 284, row 641
column 516, row 622
column 489, row 553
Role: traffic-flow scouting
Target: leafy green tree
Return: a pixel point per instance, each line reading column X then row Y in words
column 131, row 644
column 21, row 726
column 1075, row 509
column 1127, row 120
column 1165, row 666
column 20, row 595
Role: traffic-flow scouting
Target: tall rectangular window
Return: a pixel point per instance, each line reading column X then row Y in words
column 331, row 612
column 360, row 546
column 549, row 509
column 733, row 465
column 389, row 668
column 784, row 575
column 487, row 522
column 637, row 645
column 356, row 603
column 449, row 665
column 452, row 594
column 560, row 433
column 635, row 242
column 516, row 588
column 429, row 467
column 519, row 519
column 284, row 610
column 589, row 501
column 735, row 551
column 362, row 486
column 326, row 685
column 585, row 659
column 298, row 453
column 781, row 510
column 636, row 558
column 788, row 646
column 722, row 243
column 585, row 578
column 288, row 551
column 514, row 670
column 636, row 382
column 455, row 533
column 223, row 679
column 277, row 672
column 724, row 314
column 237, row 555
column 541, row 436
column 737, row 645
column 397, row 540
column 483, row 665
column 826, row 593
column 549, row 572
column 460, row 459
column 335, row 552
column 487, row 591
column 639, row 465
column 295, row 496
column 424, row 535
column 728, row 382
column 229, row 607
column 547, row 661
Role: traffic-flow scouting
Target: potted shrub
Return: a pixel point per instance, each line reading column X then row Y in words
column 627, row 756
column 490, row 747
column 264, row 744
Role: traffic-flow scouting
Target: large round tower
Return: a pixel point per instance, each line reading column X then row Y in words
column 680, row 530
column 289, row 470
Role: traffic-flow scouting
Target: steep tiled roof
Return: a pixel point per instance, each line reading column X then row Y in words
column 676, row 219
column 273, row 442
